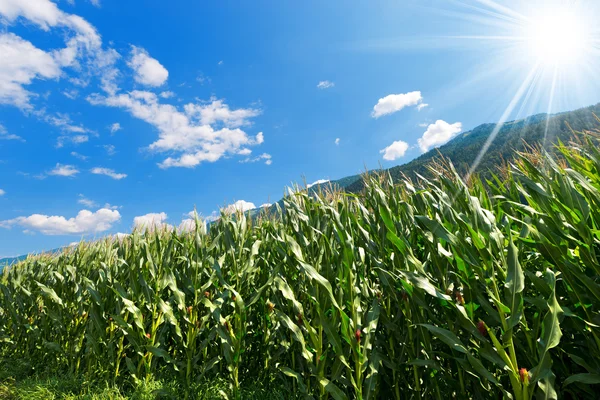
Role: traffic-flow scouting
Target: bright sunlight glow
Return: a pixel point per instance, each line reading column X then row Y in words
column 557, row 37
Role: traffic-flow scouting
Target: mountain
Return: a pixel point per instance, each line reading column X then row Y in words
column 9, row 261
column 513, row 136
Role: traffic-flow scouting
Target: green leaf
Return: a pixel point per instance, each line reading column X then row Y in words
column 50, row 293
column 588, row 379
column 333, row 390
column 515, row 283
column 447, row 337
column 296, row 333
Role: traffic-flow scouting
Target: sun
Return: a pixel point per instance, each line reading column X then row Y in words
column 557, row 37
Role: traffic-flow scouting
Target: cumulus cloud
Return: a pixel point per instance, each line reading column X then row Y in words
column 108, row 172
column 115, row 127
column 337, row 141
column 422, row 106
column 202, row 132
column 325, row 85
column 240, row 205
column 64, row 170
column 438, row 133
column 85, row 222
column 4, row 135
column 21, row 63
column 394, row 150
column 396, row 102
column 167, row 94
column 147, row 70
column 2, row 192
column 150, row 221
column 217, row 112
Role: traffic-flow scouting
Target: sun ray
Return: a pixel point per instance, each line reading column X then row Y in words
column 513, row 103
column 550, row 101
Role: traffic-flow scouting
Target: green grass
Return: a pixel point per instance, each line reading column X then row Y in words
column 19, row 380
column 428, row 289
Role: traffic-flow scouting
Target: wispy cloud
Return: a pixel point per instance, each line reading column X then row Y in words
column 325, row 85
column 64, row 170
column 108, row 172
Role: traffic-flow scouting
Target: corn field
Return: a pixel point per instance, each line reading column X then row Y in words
column 433, row 289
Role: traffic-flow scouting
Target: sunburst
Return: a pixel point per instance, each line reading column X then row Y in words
column 553, row 42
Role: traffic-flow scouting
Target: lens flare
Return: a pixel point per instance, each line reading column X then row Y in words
column 557, row 37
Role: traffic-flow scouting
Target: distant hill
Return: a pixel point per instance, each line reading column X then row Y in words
column 9, row 261
column 463, row 149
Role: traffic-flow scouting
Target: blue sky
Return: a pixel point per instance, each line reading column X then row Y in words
column 117, row 113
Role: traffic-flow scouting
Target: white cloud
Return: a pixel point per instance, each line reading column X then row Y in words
column 167, row 94
column 438, row 134
column 85, row 222
column 71, row 94
column 201, row 78
column 217, row 112
column 240, row 205
column 4, row 135
column 111, row 207
column 108, row 172
column 318, row 182
column 147, row 70
column 79, row 156
column 87, row 202
column 21, row 63
column 422, row 106
column 110, row 149
column 64, row 170
column 337, row 141
column 424, row 125
column 202, row 132
column 95, row 3
column 150, row 221
column 220, row 62
column 263, row 156
column 2, row 192
column 63, row 121
column 325, row 85
column 394, row 150
column 115, row 127
column 396, row 102
column 76, row 139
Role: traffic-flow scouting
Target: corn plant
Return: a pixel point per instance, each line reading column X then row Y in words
column 434, row 288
